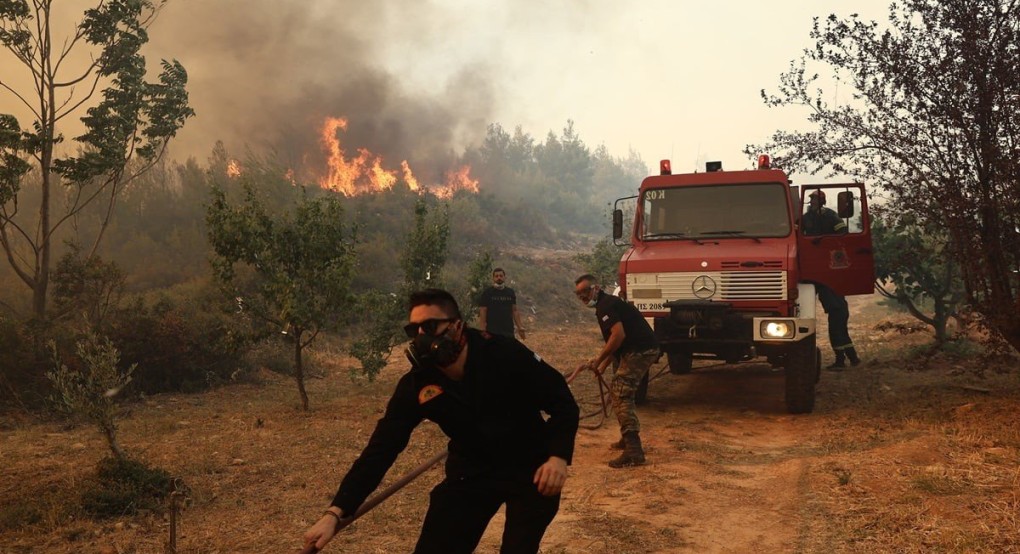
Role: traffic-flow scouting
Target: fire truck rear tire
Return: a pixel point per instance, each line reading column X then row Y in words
column 679, row 362
column 802, row 370
column 641, row 394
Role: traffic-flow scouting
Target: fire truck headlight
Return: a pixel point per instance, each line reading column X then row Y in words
column 777, row 329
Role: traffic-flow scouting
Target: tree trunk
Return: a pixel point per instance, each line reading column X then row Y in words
column 299, row 371
column 41, row 279
column 48, row 114
column 939, row 321
column 110, row 432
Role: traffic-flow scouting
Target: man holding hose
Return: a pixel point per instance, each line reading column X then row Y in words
column 488, row 394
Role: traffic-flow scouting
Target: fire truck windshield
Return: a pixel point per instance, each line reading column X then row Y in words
column 717, row 211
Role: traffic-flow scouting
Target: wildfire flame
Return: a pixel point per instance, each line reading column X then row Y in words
column 233, row 168
column 366, row 173
column 409, row 178
column 457, row 180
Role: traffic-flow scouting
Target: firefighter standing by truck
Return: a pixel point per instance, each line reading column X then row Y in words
column 631, row 343
column 819, row 220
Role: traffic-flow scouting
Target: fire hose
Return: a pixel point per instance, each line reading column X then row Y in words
column 381, row 496
column 603, row 408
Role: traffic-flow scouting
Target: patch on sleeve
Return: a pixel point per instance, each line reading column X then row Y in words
column 429, row 392
column 605, row 318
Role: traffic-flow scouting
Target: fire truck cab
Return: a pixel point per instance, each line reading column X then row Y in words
column 720, row 266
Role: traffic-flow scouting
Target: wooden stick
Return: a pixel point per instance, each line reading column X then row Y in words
column 383, row 495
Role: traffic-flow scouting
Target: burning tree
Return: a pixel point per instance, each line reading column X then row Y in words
column 133, row 120
column 931, row 112
column 302, row 263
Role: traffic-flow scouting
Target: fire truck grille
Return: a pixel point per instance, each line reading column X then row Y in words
column 726, row 286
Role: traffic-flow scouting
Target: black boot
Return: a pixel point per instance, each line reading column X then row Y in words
column 618, row 445
column 852, row 354
column 632, row 455
column 840, row 363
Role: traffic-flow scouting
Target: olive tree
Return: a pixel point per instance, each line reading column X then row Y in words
column 302, row 263
column 127, row 122
column 914, row 267
column 928, row 107
column 88, row 389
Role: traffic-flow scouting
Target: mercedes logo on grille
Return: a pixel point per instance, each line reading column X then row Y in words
column 703, row 287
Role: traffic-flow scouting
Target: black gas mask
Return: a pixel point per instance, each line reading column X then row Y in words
column 429, row 350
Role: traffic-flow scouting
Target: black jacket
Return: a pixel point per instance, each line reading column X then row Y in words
column 493, row 417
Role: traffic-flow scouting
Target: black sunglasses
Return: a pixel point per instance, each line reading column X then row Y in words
column 429, row 326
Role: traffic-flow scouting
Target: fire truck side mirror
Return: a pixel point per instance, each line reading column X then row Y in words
column 617, row 224
column 845, row 204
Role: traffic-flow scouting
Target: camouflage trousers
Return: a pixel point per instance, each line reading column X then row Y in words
column 628, row 371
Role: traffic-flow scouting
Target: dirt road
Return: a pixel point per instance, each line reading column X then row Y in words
column 728, row 471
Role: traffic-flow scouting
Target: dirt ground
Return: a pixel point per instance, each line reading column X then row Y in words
column 904, row 453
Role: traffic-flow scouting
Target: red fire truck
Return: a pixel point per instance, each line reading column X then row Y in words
column 719, row 266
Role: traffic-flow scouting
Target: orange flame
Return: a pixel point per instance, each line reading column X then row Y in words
column 366, row 173
column 409, row 177
column 233, row 168
column 361, row 174
column 456, row 181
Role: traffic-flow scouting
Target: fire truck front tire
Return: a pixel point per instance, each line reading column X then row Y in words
column 679, row 362
column 802, row 370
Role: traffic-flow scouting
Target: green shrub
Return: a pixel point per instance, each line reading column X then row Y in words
column 122, row 487
column 181, row 343
column 25, row 359
column 87, row 389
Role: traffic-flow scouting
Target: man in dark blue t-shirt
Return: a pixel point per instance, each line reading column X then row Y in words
column 497, row 308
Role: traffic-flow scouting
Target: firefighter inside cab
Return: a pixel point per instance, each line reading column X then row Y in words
column 819, row 220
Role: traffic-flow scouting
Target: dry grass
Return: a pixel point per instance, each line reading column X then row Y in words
column 895, row 459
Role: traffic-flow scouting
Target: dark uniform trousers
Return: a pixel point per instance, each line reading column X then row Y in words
column 460, row 510
column 839, row 316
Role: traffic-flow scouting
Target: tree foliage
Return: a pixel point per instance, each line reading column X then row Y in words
column 88, row 288
column 914, row 267
column 927, row 106
column 302, row 263
column 425, row 250
column 558, row 183
column 478, row 279
column 130, row 119
column 603, row 262
column 88, row 389
column 382, row 314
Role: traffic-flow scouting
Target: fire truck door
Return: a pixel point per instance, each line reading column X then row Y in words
column 834, row 247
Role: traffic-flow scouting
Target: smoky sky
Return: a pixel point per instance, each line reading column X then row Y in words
column 264, row 74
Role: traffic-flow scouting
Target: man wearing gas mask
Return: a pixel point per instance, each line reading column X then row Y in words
column 488, row 394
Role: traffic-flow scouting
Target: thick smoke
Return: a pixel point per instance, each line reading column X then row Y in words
column 264, row 74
